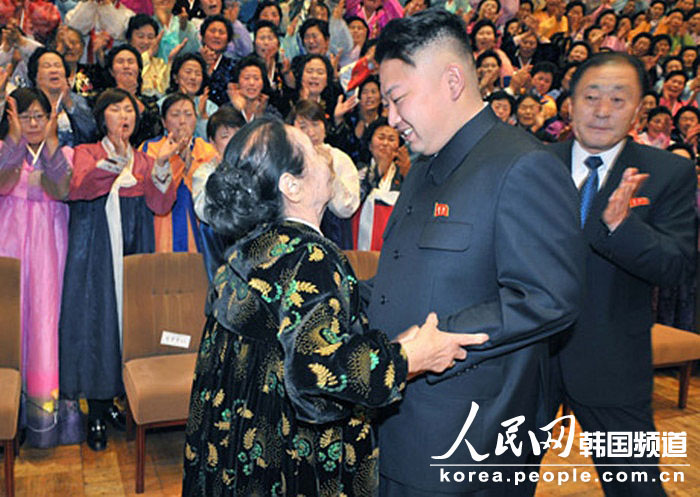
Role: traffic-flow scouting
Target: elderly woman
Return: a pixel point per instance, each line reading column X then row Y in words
column 178, row 231
column 277, row 69
column 216, row 33
column 189, row 76
column 288, row 367
column 114, row 193
column 34, row 178
column 48, row 71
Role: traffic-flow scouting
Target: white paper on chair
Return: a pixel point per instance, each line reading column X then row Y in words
column 172, row 339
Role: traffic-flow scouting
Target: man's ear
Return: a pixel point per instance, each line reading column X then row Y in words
column 455, row 80
column 290, row 188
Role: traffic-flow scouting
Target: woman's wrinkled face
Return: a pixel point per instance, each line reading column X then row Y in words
column 502, row 109
column 578, row 54
column 673, row 87
column 384, row 144
column 51, row 74
column 657, row 124
column 120, row 119
column 489, row 10
column 648, row 103
column 315, row 130
column 314, row 77
column 316, row 181
column 189, row 78
column 180, row 119
column 33, row 122
column 216, row 37
column 125, row 69
column 359, row 33
column 673, row 65
column 485, row 39
column 370, row 98
column 314, row 41
column 489, row 66
column 250, row 82
column 266, row 43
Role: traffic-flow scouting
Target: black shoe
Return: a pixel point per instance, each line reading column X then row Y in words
column 116, row 418
column 97, row 435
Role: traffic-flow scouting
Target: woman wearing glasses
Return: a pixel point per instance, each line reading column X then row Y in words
column 34, row 177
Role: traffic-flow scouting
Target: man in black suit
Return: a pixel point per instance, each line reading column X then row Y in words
column 638, row 218
column 485, row 233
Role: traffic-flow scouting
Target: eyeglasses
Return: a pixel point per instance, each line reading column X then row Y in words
column 25, row 118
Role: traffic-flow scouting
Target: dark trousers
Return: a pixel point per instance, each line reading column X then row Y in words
column 635, row 418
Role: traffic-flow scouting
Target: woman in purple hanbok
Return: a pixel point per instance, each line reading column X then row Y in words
column 34, row 178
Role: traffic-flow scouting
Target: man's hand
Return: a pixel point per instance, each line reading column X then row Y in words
column 618, row 207
column 430, row 349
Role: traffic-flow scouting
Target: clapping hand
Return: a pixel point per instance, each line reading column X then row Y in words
column 343, row 106
column 618, row 207
column 52, row 133
column 15, row 131
column 235, row 96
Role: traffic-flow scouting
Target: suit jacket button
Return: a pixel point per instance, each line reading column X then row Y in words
column 396, row 254
column 382, row 300
column 409, row 209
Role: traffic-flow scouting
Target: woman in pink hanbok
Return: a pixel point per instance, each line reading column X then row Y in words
column 34, row 176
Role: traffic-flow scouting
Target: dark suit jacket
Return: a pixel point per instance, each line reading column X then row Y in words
column 606, row 357
column 505, row 261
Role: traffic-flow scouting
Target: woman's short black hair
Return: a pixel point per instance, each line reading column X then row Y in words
column 502, row 95
column 171, row 100
column 307, row 109
column 682, row 146
column 580, row 43
column 177, row 65
column 669, row 59
column 608, row 12
column 658, row 110
column 523, row 97
column 651, row 93
column 485, row 55
column 672, row 74
column 262, row 6
column 217, row 18
column 349, row 19
column 108, row 97
column 682, row 110
column 243, row 192
column 253, row 61
column 113, row 54
column 575, row 3
column 266, row 24
column 139, row 21
column 659, row 38
column 329, row 72
column 370, row 130
column 24, row 98
column 310, row 23
column 481, row 2
column 227, row 115
column 33, row 63
column 477, row 27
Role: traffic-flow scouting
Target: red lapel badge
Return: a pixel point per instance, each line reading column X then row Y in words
column 637, row 201
column 441, row 210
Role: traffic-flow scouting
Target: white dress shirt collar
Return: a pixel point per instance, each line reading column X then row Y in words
column 579, row 170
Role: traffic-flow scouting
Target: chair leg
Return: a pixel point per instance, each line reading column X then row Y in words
column 140, row 457
column 129, row 422
column 684, row 384
column 10, row 467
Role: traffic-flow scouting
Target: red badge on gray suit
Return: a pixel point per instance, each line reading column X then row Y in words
column 441, row 210
column 637, row 201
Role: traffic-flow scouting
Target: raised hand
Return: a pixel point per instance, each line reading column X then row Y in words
column 231, row 12
column 202, row 107
column 173, row 53
column 235, row 96
column 618, row 207
column 4, row 77
column 169, row 148
column 155, row 46
column 51, row 136
column 15, row 131
column 343, row 106
column 403, row 160
column 339, row 10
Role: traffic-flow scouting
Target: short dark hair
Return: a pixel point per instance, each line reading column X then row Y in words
column 323, row 6
column 349, row 19
column 682, row 146
column 243, row 192
column 602, row 59
column 312, row 22
column 33, row 63
column 676, row 11
column 328, row 92
column 477, row 27
column 266, row 24
column 366, row 138
column 113, row 54
column 583, row 44
column 546, row 67
column 24, row 97
column 402, row 38
column 481, row 2
column 502, row 95
column 658, row 1
column 669, row 59
column 607, row 12
column 254, row 61
column 177, row 65
column 575, row 3
column 658, row 38
column 672, row 74
column 651, row 93
column 108, row 97
column 262, row 6
column 227, row 115
column 656, row 111
column 685, row 108
column 370, row 80
column 139, row 21
column 643, row 34
column 307, row 109
column 526, row 96
column 171, row 100
column 485, row 55
column 217, row 18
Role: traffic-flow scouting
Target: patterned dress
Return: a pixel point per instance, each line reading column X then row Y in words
column 287, row 375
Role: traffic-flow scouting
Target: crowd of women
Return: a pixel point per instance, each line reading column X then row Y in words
column 116, row 113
